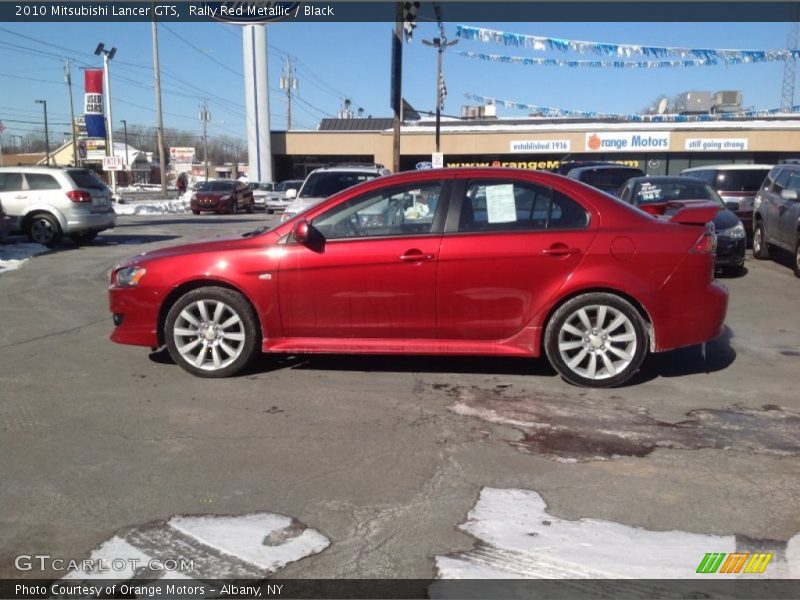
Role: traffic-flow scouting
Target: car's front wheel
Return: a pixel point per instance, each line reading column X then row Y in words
column 760, row 246
column 596, row 340
column 212, row 332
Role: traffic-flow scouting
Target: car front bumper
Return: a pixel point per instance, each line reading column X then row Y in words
column 730, row 252
column 135, row 313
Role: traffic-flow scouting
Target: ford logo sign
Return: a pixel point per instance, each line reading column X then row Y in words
column 421, row 166
column 247, row 12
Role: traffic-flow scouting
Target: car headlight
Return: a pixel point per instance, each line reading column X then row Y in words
column 736, row 232
column 130, row 276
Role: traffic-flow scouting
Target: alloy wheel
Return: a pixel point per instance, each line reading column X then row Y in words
column 597, row 342
column 42, row 231
column 209, row 334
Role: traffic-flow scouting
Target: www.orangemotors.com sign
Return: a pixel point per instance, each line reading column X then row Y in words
column 627, row 141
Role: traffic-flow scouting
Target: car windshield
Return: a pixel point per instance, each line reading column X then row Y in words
column 322, row 185
column 745, row 180
column 264, row 187
column 649, row 192
column 84, row 178
column 289, row 185
column 217, row 186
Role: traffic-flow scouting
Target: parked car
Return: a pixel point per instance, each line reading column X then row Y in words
column 46, row 203
column 323, row 183
column 5, row 223
column 505, row 262
column 222, row 196
column 776, row 213
column 664, row 195
column 736, row 183
column 565, row 167
column 276, row 200
column 260, row 189
column 608, row 178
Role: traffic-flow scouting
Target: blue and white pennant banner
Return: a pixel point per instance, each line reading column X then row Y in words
column 542, row 44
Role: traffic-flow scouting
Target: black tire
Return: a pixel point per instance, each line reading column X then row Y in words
column 43, row 229
column 247, row 327
column 270, row 211
column 797, row 258
column 251, row 207
column 83, row 238
column 573, row 355
column 195, row 212
column 760, row 245
column 234, row 206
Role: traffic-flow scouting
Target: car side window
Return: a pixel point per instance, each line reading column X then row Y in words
column 517, row 206
column 41, row 181
column 709, row 175
column 780, row 181
column 10, row 182
column 399, row 211
column 794, row 181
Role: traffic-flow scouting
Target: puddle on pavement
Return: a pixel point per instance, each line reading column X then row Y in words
column 583, row 429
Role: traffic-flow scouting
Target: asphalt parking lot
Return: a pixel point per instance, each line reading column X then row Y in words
column 383, row 456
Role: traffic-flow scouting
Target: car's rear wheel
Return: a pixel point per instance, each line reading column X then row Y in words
column 797, row 258
column 760, row 246
column 251, row 207
column 596, row 340
column 212, row 332
column 44, row 229
column 195, row 212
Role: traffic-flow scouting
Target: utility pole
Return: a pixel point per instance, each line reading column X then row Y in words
column 127, row 159
column 46, row 134
column 441, row 43
column 107, row 56
column 205, row 117
column 160, row 124
column 68, row 79
column 396, row 85
column 288, row 83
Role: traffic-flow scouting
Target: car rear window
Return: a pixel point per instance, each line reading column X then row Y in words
column 609, row 180
column 741, row 180
column 41, row 181
column 322, row 185
column 649, row 192
column 86, row 179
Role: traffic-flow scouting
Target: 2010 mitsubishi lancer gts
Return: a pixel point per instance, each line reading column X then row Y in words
column 441, row 262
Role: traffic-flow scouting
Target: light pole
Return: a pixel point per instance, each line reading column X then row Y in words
column 14, row 139
column 107, row 56
column 441, row 44
column 127, row 161
column 46, row 134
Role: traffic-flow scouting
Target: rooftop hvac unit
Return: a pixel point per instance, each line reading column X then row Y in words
column 693, row 103
column 727, row 101
column 471, row 112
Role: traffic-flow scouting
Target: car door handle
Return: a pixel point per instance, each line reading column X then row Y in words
column 416, row 256
column 20, row 197
column 560, row 250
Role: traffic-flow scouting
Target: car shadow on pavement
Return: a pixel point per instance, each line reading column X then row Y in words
column 782, row 257
column 719, row 355
column 732, row 274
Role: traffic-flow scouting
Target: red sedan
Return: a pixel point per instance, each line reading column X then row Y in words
column 222, row 196
column 440, row 262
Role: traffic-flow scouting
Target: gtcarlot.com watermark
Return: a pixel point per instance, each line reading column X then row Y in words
column 45, row 562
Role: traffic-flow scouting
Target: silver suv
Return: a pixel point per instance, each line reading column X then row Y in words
column 327, row 181
column 46, row 203
column 776, row 213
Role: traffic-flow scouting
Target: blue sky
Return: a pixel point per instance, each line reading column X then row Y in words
column 352, row 59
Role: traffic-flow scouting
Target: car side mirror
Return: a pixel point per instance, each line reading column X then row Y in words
column 291, row 194
column 734, row 206
column 789, row 195
column 302, row 231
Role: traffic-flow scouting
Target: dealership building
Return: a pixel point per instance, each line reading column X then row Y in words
column 658, row 148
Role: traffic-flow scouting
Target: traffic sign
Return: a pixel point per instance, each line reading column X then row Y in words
column 437, row 160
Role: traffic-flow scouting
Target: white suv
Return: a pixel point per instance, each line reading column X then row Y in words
column 327, row 181
column 46, row 203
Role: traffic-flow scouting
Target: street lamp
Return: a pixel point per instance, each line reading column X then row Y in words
column 127, row 162
column 107, row 56
column 441, row 44
column 14, row 139
column 46, row 134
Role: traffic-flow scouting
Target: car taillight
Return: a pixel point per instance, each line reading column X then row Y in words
column 707, row 244
column 79, row 196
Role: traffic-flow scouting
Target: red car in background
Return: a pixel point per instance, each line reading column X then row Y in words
column 222, row 196
column 442, row 262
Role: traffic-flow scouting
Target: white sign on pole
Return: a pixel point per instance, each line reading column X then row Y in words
column 113, row 163
column 437, row 160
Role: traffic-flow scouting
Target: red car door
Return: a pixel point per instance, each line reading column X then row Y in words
column 514, row 245
column 371, row 272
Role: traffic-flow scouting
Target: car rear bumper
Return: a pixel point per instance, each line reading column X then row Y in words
column 77, row 223
column 695, row 319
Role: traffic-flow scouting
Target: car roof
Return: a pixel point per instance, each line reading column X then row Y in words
column 352, row 169
column 735, row 167
column 603, row 167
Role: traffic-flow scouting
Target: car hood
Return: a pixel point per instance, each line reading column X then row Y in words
column 215, row 246
column 212, row 195
column 300, row 204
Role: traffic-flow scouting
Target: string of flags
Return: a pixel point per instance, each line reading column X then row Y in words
column 542, row 44
column 547, row 111
column 616, row 64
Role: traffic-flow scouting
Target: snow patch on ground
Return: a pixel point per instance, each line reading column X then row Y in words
column 13, row 256
column 518, row 538
column 154, row 207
